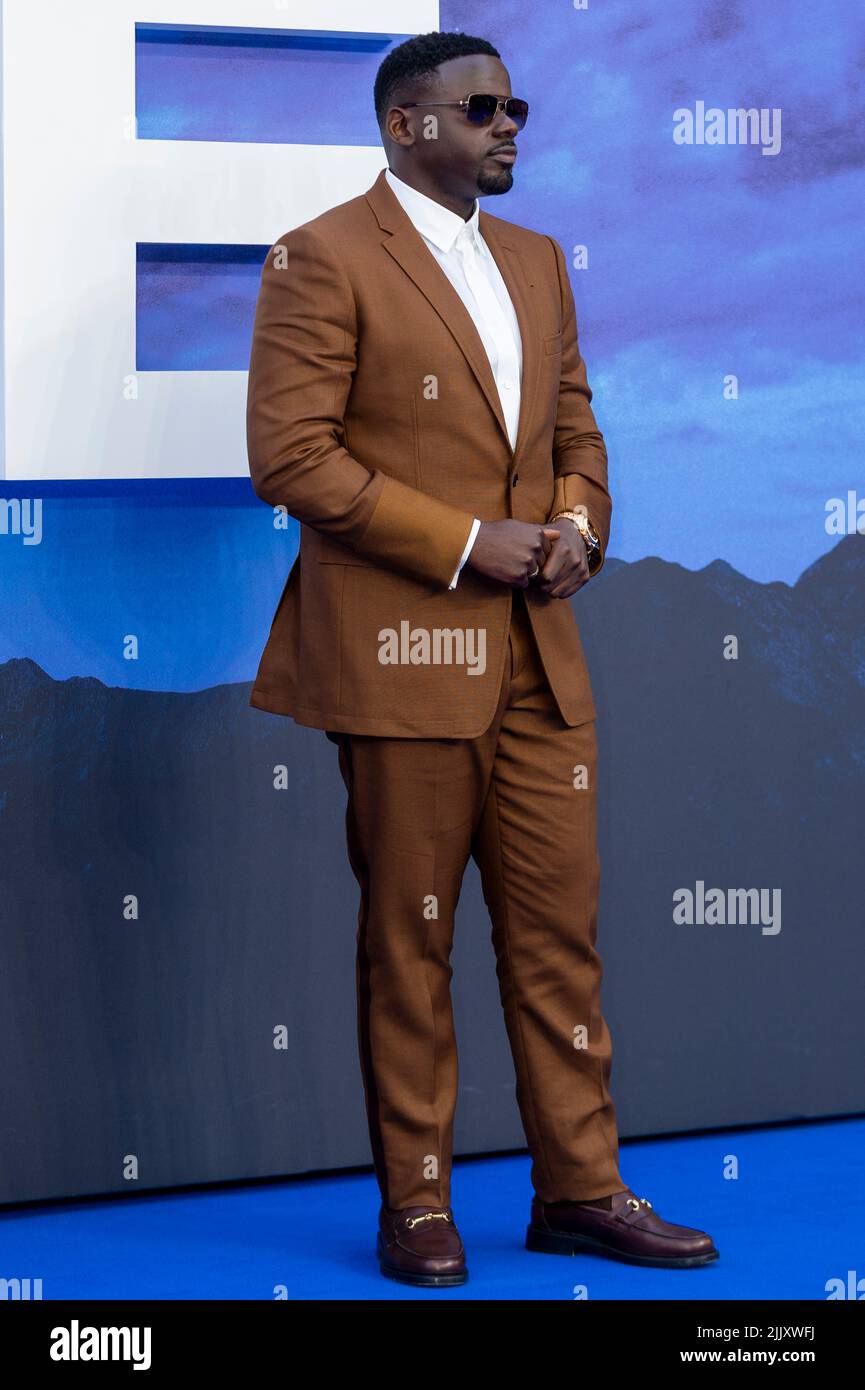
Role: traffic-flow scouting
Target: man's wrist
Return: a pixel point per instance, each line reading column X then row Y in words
column 591, row 539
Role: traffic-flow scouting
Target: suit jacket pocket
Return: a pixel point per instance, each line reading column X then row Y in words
column 331, row 552
column 553, row 343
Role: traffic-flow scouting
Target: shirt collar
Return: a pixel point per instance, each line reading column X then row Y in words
column 435, row 222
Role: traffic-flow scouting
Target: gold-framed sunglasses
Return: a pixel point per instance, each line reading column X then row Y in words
column 481, row 108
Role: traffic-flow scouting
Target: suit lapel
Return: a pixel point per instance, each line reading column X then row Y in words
column 408, row 248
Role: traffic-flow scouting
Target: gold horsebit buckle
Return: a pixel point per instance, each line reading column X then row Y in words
column 634, row 1203
column 430, row 1216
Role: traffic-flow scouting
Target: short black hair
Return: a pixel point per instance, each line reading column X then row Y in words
column 411, row 65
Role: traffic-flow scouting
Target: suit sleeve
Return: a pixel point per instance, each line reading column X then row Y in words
column 579, row 452
column 302, row 360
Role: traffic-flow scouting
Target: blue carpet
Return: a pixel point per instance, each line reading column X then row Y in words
column 793, row 1219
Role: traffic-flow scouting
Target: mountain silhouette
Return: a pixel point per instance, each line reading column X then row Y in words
column 153, row 1033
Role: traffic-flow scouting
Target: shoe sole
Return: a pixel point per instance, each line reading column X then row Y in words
column 423, row 1281
column 559, row 1243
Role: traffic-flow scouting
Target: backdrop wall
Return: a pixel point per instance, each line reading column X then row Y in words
column 177, row 915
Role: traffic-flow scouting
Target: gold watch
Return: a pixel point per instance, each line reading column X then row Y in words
column 587, row 531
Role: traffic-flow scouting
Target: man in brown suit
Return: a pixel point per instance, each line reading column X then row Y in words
column 417, row 399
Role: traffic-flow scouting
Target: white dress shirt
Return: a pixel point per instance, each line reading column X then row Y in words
column 466, row 260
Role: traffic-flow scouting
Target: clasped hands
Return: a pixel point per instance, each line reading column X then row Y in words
column 523, row 553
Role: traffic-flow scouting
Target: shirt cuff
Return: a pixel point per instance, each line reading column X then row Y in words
column 465, row 555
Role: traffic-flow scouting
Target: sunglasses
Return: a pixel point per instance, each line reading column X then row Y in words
column 481, row 108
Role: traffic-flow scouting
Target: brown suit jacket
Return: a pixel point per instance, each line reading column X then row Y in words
column 373, row 417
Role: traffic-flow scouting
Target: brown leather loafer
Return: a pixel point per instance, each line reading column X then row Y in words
column 421, row 1245
column 631, row 1230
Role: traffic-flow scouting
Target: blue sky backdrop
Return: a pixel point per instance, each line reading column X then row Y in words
column 704, row 260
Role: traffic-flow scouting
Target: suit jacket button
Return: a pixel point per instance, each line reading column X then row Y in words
column 515, row 480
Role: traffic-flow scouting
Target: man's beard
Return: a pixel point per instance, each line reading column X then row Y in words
column 502, row 182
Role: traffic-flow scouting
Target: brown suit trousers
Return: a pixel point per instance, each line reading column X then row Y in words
column 520, row 799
